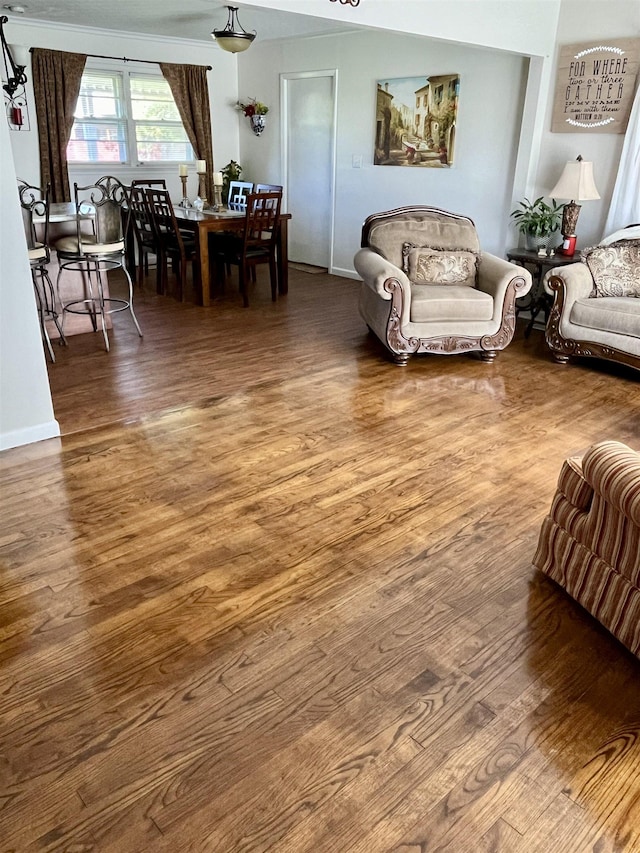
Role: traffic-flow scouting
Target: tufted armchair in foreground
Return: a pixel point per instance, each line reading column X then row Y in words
column 427, row 287
column 590, row 541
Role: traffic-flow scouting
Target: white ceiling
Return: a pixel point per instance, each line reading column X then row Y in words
column 188, row 19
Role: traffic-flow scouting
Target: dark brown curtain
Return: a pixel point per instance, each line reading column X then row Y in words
column 56, row 83
column 191, row 93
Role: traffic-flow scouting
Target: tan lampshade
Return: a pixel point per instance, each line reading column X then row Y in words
column 576, row 182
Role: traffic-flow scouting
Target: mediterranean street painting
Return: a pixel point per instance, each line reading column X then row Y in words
column 416, row 121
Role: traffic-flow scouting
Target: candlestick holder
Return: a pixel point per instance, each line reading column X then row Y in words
column 202, row 187
column 217, row 197
column 185, row 199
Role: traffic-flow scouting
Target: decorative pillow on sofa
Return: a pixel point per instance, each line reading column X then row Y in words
column 615, row 268
column 426, row 265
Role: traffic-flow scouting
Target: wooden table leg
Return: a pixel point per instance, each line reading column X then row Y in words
column 203, row 252
column 283, row 257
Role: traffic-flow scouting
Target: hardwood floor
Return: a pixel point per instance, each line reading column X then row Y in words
column 272, row 592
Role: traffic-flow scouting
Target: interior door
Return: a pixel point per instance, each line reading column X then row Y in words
column 309, row 131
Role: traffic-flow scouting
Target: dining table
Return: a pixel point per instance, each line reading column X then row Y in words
column 209, row 221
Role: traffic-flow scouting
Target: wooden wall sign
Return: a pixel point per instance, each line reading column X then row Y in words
column 595, row 86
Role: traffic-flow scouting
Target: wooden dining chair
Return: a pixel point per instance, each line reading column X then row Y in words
column 149, row 182
column 268, row 188
column 223, row 241
column 144, row 234
column 141, row 227
column 172, row 244
column 258, row 243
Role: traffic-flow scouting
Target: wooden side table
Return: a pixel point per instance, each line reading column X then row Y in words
column 538, row 299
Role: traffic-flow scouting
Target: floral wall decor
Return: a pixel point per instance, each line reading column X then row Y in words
column 255, row 111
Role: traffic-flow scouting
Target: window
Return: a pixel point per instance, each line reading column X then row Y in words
column 127, row 117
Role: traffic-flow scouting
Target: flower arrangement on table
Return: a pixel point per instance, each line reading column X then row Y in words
column 253, row 108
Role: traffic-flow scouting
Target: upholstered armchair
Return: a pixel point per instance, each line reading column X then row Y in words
column 590, row 541
column 427, row 287
column 596, row 308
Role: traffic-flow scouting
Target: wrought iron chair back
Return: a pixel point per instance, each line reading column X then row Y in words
column 34, row 202
column 107, row 202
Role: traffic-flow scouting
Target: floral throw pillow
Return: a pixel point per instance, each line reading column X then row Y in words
column 615, row 268
column 426, row 265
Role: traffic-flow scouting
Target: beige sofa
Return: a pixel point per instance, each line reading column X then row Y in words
column 590, row 541
column 596, row 308
column 427, row 287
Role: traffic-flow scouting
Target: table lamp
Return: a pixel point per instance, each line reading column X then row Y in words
column 576, row 183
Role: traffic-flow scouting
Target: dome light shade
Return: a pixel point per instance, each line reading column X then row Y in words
column 233, row 38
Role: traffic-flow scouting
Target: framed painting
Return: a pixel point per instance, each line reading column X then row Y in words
column 416, row 121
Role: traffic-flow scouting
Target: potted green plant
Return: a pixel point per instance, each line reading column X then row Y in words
column 537, row 220
column 231, row 172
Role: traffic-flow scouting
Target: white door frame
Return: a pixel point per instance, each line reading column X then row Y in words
column 284, row 115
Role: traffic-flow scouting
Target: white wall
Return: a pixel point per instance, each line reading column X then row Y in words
column 583, row 21
column 525, row 27
column 521, row 26
column 479, row 184
column 370, row 54
column 222, row 85
column 26, row 412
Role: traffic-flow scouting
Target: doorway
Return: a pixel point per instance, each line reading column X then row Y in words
column 308, row 132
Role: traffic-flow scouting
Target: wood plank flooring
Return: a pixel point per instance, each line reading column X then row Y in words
column 270, row 592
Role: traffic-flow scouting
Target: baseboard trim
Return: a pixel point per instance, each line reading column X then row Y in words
column 344, row 273
column 18, row 437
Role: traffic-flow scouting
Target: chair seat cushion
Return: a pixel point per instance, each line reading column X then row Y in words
column 38, row 253
column 430, row 302
column 69, row 246
column 170, row 241
column 168, row 232
column 148, row 243
column 258, row 252
column 617, row 314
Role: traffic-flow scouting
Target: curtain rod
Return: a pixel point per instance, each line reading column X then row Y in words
column 126, row 59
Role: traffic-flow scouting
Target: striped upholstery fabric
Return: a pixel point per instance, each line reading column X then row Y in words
column 590, row 541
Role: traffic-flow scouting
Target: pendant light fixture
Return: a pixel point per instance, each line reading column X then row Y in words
column 233, row 38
